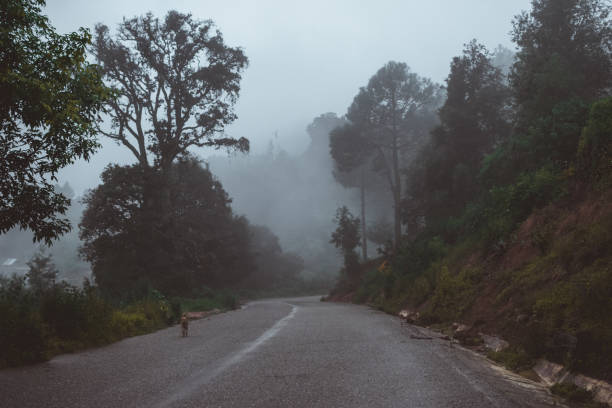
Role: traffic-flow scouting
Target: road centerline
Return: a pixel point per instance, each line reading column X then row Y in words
column 205, row 375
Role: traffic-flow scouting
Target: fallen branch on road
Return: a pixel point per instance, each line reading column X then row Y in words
column 412, row 336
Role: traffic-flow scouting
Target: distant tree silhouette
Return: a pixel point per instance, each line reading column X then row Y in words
column 42, row 272
column 274, row 269
column 319, row 131
column 346, row 238
column 177, row 83
column 353, row 167
column 393, row 115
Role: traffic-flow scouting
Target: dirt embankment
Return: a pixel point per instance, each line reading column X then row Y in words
column 547, row 290
column 508, row 290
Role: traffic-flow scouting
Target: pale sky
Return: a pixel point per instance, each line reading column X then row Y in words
column 306, row 57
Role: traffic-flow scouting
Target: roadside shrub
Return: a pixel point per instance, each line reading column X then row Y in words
column 453, row 294
column 507, row 206
column 513, row 358
column 37, row 323
column 24, row 336
column 415, row 257
column 371, row 284
column 126, row 324
column 63, row 310
column 206, row 299
column 572, row 392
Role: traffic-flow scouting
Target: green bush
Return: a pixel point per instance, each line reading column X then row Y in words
column 513, row 358
column 39, row 323
column 453, row 294
column 372, row 284
column 572, row 392
column 593, row 157
column 24, row 336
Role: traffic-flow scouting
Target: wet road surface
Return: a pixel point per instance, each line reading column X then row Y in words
column 274, row 353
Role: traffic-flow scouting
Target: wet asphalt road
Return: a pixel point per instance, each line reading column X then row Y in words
column 274, row 353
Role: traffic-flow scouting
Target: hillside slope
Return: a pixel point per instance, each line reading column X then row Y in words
column 548, row 290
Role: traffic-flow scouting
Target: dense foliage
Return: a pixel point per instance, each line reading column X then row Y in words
column 346, row 238
column 161, row 227
column 176, row 81
column 50, row 98
column 200, row 243
column 473, row 120
column 40, row 317
column 510, row 196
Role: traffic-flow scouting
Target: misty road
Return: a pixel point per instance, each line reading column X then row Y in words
column 273, row 353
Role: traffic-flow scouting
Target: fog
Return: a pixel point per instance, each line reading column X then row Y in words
column 306, row 59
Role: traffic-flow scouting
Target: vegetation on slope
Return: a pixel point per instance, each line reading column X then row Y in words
column 507, row 206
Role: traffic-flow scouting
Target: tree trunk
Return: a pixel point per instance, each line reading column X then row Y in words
column 364, row 237
column 397, row 194
column 397, row 187
column 146, row 231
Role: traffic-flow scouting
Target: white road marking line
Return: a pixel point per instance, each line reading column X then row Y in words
column 205, row 375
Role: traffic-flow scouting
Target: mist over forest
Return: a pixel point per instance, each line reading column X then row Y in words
column 444, row 162
column 288, row 183
column 295, row 195
column 291, row 97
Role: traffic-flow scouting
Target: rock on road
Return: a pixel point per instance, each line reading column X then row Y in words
column 274, row 353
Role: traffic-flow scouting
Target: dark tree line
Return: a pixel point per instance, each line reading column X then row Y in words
column 346, row 238
column 509, row 136
column 473, row 120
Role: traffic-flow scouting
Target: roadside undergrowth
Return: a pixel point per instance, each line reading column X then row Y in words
column 548, row 291
column 39, row 324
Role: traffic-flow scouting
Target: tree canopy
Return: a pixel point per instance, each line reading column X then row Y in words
column 474, row 118
column 205, row 244
column 177, row 83
column 564, row 53
column 392, row 117
column 50, row 100
column 346, row 238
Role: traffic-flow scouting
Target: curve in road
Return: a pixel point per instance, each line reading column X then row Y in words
column 275, row 353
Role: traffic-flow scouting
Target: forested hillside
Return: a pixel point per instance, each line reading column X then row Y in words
column 504, row 203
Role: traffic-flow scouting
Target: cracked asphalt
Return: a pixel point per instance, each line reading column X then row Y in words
column 274, row 353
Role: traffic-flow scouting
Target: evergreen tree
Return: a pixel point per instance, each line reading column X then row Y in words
column 346, row 238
